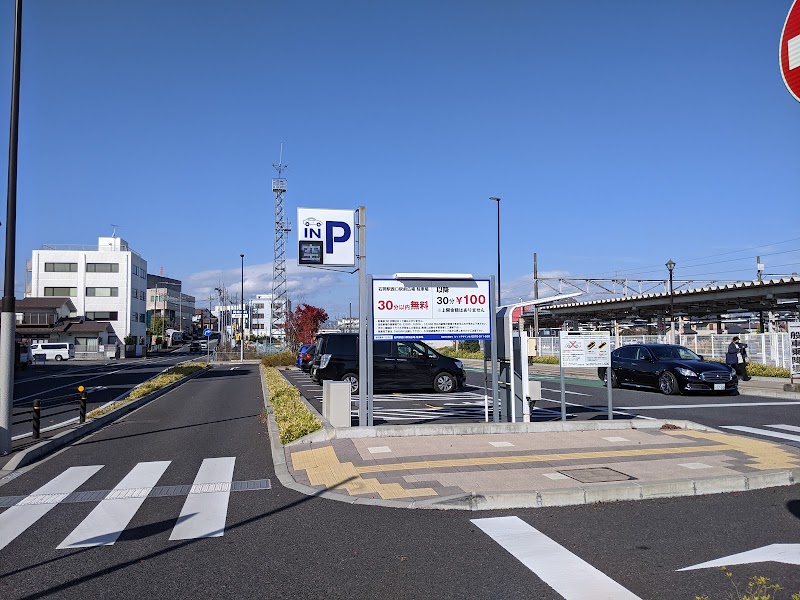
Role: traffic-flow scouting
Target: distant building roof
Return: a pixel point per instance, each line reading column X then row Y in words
column 45, row 302
column 89, row 327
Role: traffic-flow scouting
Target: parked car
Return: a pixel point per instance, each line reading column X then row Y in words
column 308, row 358
column 53, row 350
column 299, row 358
column 194, row 347
column 670, row 368
column 396, row 364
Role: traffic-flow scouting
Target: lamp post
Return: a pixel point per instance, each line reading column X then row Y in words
column 670, row 266
column 498, row 248
column 241, row 346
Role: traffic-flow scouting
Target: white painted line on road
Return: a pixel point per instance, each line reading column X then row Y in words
column 785, row 427
column 566, row 392
column 695, row 466
column 18, row 518
column 781, row 553
column 108, row 520
column 570, row 576
column 766, row 432
column 720, row 405
column 203, row 515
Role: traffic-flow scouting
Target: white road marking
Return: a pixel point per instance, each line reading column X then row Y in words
column 765, row 432
column 203, row 515
column 565, row 391
column 18, row 518
column 720, row 405
column 783, row 553
column 108, row 520
column 570, row 576
column 785, row 427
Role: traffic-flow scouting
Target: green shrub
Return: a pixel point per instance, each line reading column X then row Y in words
column 282, row 359
column 293, row 417
column 470, row 346
column 544, row 360
column 757, row 588
column 762, row 370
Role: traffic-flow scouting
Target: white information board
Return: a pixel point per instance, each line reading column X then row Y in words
column 794, row 344
column 585, row 349
column 415, row 309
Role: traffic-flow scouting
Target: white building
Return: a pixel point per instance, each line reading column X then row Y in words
column 105, row 283
column 257, row 316
column 165, row 299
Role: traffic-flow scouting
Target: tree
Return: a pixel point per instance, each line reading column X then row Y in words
column 303, row 324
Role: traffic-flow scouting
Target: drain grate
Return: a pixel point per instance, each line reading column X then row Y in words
column 596, row 475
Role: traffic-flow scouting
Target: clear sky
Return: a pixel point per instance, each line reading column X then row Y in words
column 619, row 134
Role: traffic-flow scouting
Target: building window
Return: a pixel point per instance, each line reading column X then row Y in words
column 71, row 292
column 135, row 270
column 60, row 267
column 103, row 315
column 102, row 292
column 86, row 344
column 141, row 318
column 102, row 267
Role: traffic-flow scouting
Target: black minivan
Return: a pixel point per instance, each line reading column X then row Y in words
column 395, row 364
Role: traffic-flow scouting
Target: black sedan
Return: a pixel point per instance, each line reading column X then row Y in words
column 670, row 368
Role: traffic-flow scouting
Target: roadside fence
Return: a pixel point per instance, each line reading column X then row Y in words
column 76, row 401
column 766, row 348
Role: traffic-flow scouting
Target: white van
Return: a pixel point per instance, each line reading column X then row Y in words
column 53, row 350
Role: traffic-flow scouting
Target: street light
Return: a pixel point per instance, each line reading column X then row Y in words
column 241, row 347
column 498, row 247
column 670, row 266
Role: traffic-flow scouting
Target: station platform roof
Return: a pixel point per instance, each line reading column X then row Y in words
column 747, row 296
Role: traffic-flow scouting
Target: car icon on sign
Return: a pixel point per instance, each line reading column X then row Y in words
column 312, row 222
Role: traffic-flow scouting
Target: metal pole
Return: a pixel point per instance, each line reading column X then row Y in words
column 241, row 345
column 493, row 347
column 498, row 248
column 536, row 297
column 37, row 418
column 8, row 310
column 363, row 395
column 83, row 398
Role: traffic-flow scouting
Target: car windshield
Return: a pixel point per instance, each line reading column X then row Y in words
column 672, row 352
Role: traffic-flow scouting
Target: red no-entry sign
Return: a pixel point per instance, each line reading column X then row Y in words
column 790, row 51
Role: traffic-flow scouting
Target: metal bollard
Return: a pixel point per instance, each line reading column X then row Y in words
column 82, row 391
column 37, row 419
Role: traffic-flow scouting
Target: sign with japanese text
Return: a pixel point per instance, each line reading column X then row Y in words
column 585, row 349
column 326, row 237
column 431, row 310
column 794, row 341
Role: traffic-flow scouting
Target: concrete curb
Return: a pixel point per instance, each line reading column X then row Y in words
column 614, row 492
column 26, row 457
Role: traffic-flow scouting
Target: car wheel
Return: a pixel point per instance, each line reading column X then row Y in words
column 59, row 357
column 668, row 384
column 614, row 380
column 352, row 379
column 444, row 383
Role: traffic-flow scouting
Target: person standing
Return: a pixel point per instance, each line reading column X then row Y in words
column 736, row 356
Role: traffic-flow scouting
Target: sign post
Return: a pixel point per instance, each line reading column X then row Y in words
column 794, row 347
column 207, row 332
column 585, row 349
column 789, row 52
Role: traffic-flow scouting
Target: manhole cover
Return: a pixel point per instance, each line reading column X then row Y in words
column 596, row 475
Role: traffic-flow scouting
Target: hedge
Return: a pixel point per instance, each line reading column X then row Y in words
column 293, row 417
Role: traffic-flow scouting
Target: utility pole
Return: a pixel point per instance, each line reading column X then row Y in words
column 759, row 268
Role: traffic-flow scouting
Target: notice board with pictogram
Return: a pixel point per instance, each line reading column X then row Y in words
column 585, row 349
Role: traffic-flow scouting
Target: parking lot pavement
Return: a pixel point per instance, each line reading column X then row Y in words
column 507, row 465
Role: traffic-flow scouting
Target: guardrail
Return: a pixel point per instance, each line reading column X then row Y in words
column 36, row 410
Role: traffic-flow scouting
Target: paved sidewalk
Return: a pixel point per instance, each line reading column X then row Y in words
column 511, row 465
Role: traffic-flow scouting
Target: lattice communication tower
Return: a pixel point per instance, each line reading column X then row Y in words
column 280, row 297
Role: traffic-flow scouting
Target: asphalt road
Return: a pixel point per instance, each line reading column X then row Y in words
column 277, row 543
column 56, row 383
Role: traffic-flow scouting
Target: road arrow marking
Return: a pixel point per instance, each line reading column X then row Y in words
column 783, row 553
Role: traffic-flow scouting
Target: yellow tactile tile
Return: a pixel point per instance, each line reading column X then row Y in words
column 323, row 468
column 763, row 455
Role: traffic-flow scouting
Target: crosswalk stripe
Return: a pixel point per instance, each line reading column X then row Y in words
column 570, row 576
column 108, row 520
column 766, row 432
column 203, row 515
column 18, row 518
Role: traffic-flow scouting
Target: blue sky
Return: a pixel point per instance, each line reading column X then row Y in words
column 618, row 134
